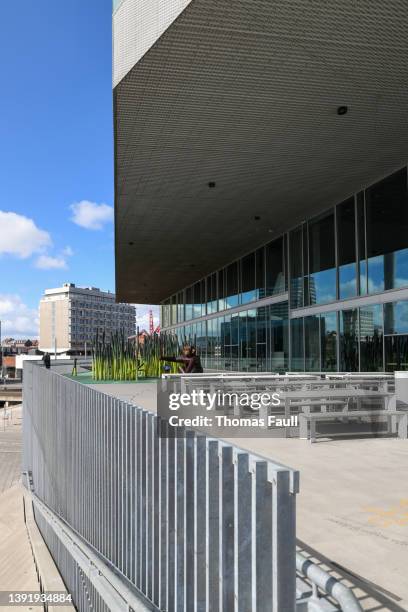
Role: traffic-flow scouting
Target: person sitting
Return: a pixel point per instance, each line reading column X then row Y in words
column 191, row 362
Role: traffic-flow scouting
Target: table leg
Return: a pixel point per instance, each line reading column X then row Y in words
column 403, row 427
column 391, row 404
column 303, row 434
column 312, row 431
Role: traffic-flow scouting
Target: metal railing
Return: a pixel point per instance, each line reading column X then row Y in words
column 188, row 523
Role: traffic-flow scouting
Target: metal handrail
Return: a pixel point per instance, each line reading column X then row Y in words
column 330, row 585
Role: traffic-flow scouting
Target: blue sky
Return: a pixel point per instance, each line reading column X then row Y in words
column 56, row 153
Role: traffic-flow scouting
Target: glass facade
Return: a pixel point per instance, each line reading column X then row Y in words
column 387, row 233
column 253, row 340
column 371, row 338
column 321, row 260
column 346, row 249
column 357, row 248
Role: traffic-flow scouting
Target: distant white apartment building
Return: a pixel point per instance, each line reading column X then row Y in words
column 70, row 317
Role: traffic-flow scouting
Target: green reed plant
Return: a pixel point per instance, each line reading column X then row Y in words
column 122, row 359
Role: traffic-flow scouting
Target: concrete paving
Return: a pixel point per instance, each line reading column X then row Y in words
column 10, row 447
column 352, row 510
column 17, row 569
column 19, row 542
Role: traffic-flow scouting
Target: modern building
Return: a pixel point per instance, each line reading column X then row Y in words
column 70, row 318
column 261, row 178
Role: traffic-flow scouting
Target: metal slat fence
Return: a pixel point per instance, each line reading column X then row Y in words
column 192, row 523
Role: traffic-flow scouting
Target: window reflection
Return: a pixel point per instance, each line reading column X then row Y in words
column 260, row 316
column 349, row 341
column 346, row 241
column 180, row 307
column 297, row 358
column 197, row 300
column 396, row 318
column 296, row 268
column 312, row 344
column 275, row 277
column 231, row 289
column 212, row 293
column 279, row 337
column 328, row 341
column 396, row 353
column 260, row 273
column 248, row 278
column 361, row 244
column 188, row 309
column 322, row 272
column 387, row 231
column 371, row 338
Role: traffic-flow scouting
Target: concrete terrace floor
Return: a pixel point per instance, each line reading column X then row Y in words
column 352, row 509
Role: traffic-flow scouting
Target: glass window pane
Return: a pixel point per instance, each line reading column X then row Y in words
column 231, row 285
column 297, row 357
column 180, row 307
column 248, row 278
column 218, row 350
column 312, row 344
column 371, row 338
column 296, row 268
column 197, row 300
column 173, row 314
column 349, row 361
column 251, row 341
column 226, row 340
column 322, row 271
column 243, row 340
column 260, row 273
column 328, row 335
column 346, row 241
column 203, row 297
column 221, row 290
column 211, row 342
column 396, row 318
column 165, row 313
column 275, row 278
column 261, row 338
column 189, row 303
column 396, row 353
column 279, row 337
column 387, row 230
column 361, row 243
column 235, row 342
column 212, row 293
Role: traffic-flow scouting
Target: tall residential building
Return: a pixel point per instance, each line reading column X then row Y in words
column 71, row 316
column 261, row 186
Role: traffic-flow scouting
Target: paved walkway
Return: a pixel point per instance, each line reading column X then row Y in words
column 352, row 510
column 10, row 447
column 17, row 569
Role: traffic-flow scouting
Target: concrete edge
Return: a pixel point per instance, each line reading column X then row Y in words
column 48, row 575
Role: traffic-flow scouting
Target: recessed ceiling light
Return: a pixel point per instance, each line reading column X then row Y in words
column 342, row 110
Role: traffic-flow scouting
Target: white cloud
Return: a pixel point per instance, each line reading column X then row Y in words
column 20, row 236
column 17, row 319
column 59, row 262
column 91, row 215
column 46, row 262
